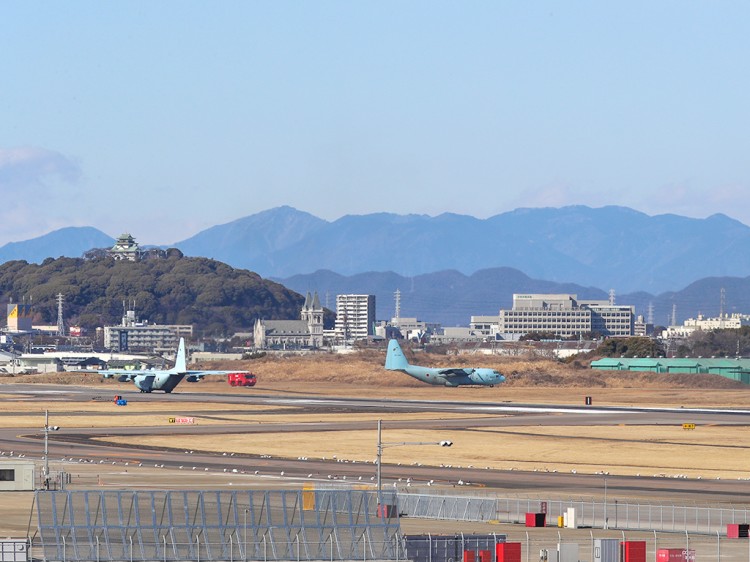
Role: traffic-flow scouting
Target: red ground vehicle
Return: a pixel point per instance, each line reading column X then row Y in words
column 241, row 379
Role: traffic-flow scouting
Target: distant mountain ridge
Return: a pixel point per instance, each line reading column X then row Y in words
column 462, row 265
column 451, row 298
column 69, row 242
column 607, row 247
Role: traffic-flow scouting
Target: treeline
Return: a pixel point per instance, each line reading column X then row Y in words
column 714, row 343
column 216, row 298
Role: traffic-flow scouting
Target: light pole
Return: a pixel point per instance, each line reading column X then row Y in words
column 606, row 519
column 382, row 445
column 47, row 429
column 244, row 548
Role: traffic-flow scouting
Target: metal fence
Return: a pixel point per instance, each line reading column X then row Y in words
column 449, row 548
column 214, row 525
column 582, row 543
column 615, row 514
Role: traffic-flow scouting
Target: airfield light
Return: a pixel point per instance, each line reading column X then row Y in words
column 47, row 428
column 382, row 445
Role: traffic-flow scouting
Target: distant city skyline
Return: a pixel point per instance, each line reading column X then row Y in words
column 167, row 118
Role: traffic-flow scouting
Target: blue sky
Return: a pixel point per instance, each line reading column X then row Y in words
column 165, row 118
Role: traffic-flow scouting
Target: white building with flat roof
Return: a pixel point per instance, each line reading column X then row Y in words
column 355, row 317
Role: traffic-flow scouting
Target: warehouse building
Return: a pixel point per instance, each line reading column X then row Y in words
column 734, row 369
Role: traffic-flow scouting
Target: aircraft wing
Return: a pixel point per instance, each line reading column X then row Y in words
column 197, row 375
column 455, row 372
column 123, row 374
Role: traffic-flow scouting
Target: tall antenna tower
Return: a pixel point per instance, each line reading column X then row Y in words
column 397, row 294
column 722, row 306
column 60, row 323
column 674, row 314
column 611, row 297
column 650, row 318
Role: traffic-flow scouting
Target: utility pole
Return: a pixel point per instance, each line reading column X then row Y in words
column 47, row 429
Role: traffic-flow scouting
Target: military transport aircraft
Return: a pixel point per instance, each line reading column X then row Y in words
column 167, row 379
column 395, row 361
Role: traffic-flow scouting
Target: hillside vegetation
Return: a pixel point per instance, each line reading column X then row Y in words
column 216, row 298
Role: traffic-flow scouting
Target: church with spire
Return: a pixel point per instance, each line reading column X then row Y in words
column 305, row 333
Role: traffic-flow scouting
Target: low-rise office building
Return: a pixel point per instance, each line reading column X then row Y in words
column 560, row 314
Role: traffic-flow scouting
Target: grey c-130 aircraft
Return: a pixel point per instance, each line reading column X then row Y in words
column 443, row 376
column 167, row 379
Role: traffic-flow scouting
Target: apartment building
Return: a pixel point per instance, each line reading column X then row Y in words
column 355, row 317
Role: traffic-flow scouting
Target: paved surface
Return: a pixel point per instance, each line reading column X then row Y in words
column 78, row 445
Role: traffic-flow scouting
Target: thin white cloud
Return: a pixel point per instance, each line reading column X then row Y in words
column 29, row 166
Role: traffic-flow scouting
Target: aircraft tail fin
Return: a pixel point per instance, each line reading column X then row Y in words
column 395, row 359
column 180, row 364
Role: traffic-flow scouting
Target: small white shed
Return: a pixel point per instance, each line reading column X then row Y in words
column 16, row 475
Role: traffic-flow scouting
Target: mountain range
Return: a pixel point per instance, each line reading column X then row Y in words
column 451, row 266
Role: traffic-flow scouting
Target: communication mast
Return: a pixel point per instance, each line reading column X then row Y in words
column 650, row 319
column 397, row 294
column 722, row 306
column 60, row 323
column 611, row 297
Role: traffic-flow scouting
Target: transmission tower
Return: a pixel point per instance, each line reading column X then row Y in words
column 611, row 297
column 674, row 314
column 722, row 306
column 60, row 323
column 650, row 318
column 397, row 294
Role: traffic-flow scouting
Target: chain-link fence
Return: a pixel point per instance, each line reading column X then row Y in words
column 598, row 514
column 702, row 548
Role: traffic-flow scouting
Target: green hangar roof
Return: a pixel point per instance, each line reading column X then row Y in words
column 735, row 369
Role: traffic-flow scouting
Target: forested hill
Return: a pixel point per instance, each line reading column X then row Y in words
column 214, row 297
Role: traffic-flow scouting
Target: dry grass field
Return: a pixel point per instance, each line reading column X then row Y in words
column 527, row 380
column 705, row 452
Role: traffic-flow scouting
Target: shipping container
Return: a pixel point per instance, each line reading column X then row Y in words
column 567, row 552
column 508, row 552
column 633, row 551
column 535, row 519
column 469, row 556
column 607, row 550
column 485, row 556
column 737, row 530
column 675, row 555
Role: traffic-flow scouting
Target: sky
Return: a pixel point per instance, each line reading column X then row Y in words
column 165, row 118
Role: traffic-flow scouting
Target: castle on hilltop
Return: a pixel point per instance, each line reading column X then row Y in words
column 126, row 248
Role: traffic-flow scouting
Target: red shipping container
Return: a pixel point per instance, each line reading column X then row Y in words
column 536, row 519
column 633, row 551
column 485, row 556
column 469, row 556
column 675, row 555
column 509, row 551
column 737, row 530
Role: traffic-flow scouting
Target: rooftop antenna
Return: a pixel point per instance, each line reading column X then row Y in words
column 60, row 323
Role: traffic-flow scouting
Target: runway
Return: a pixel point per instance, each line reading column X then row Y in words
column 78, row 446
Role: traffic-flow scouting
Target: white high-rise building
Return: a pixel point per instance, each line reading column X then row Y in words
column 355, row 317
